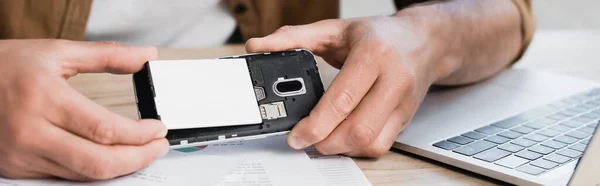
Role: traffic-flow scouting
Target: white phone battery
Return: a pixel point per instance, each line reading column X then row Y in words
column 204, row 93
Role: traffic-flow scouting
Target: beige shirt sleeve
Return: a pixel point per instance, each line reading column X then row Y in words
column 527, row 24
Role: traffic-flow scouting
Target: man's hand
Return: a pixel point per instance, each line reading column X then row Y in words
column 386, row 69
column 387, row 64
column 48, row 129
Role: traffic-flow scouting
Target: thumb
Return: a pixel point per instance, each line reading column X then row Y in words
column 316, row 37
column 111, row 57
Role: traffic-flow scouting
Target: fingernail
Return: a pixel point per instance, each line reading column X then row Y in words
column 297, row 143
column 162, row 133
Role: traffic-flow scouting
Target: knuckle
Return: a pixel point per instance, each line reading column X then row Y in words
column 102, row 132
column 252, row 45
column 111, row 43
column 362, row 135
column 316, row 134
column 409, row 80
column 381, row 47
column 343, row 103
column 284, row 28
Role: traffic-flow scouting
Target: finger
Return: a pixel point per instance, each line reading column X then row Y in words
column 49, row 167
column 81, row 116
column 397, row 121
column 111, row 57
column 316, row 37
column 365, row 123
column 96, row 161
column 347, row 89
column 23, row 175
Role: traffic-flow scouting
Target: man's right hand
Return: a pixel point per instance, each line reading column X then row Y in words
column 49, row 129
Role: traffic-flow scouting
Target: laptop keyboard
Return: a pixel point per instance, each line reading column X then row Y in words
column 536, row 141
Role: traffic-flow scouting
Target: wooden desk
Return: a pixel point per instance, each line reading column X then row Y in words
column 566, row 52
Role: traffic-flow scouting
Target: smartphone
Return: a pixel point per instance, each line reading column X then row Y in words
column 230, row 98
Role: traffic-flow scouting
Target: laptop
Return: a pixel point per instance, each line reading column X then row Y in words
column 522, row 127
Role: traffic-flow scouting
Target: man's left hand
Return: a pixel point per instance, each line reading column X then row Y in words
column 387, row 65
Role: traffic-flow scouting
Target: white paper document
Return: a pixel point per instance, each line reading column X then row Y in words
column 263, row 162
column 176, row 168
column 271, row 162
column 337, row 170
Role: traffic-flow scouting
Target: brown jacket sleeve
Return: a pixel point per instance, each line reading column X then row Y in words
column 527, row 24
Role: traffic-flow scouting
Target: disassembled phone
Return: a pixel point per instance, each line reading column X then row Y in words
column 231, row 98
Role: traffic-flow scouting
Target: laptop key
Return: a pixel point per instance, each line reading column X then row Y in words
column 511, row 162
column 446, row 145
column 557, row 158
column 566, row 139
column 571, row 124
column 510, row 122
column 522, row 130
column 511, row 148
column 586, row 106
column 497, row 139
column 568, row 113
column 578, row 147
column 544, row 164
column 491, row 155
column 474, row 148
column 541, row 149
column 510, row 134
column 560, row 128
column 569, row 153
column 523, row 142
column 591, row 115
column 474, row 135
column 585, row 142
column 594, row 125
column 489, row 130
column 528, row 155
column 578, row 135
column 534, row 125
column 554, row 144
column 587, row 130
column 460, row 140
column 559, row 116
column 546, row 121
column 578, row 109
column 590, row 105
column 548, row 133
column 584, row 119
column 529, row 169
column 536, row 137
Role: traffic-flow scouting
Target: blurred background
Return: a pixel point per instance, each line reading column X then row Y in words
column 567, row 34
column 550, row 14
